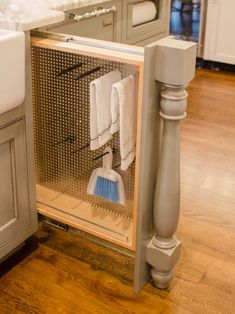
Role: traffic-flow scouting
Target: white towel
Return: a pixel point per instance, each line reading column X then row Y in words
column 124, row 117
column 100, row 113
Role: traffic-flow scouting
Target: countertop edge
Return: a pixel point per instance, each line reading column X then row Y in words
column 80, row 4
column 51, row 17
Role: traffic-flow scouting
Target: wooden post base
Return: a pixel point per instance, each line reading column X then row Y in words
column 161, row 280
column 162, row 259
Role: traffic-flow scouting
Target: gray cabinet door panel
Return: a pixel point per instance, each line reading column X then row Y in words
column 134, row 34
column 14, row 200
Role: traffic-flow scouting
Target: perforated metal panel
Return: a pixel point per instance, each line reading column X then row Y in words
column 61, row 117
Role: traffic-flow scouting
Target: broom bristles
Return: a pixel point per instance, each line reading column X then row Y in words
column 107, row 189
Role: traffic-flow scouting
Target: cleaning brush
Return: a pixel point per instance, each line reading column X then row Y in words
column 107, row 183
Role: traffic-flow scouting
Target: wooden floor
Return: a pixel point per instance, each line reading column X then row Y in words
column 51, row 275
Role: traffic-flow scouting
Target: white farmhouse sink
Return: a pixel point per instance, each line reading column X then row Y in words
column 12, row 69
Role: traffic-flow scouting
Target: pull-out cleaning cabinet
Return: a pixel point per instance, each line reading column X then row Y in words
column 64, row 161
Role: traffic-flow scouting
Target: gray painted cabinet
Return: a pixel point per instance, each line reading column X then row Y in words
column 18, row 215
column 62, row 176
column 14, row 192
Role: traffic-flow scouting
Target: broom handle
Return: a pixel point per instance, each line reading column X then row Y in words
column 108, row 158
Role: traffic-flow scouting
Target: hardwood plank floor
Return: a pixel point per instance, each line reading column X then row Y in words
column 58, row 272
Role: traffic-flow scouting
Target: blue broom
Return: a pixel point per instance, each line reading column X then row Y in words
column 107, row 183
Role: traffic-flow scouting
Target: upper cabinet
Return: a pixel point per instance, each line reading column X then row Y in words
column 220, row 26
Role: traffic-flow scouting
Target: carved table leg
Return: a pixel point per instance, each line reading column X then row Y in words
column 164, row 250
column 175, row 67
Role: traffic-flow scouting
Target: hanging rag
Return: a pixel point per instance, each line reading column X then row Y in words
column 100, row 113
column 124, row 118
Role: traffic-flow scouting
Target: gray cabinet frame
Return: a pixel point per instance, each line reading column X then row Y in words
column 18, row 215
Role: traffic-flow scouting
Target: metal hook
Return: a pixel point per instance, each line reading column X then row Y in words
column 69, row 139
column 81, row 148
column 69, row 69
column 82, row 75
column 102, row 155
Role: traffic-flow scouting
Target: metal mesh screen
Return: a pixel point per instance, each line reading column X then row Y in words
column 64, row 161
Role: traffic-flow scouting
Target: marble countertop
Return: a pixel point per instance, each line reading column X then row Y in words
column 64, row 5
column 22, row 16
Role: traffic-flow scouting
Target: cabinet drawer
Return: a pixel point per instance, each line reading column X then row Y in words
column 100, row 27
column 103, row 27
column 135, row 33
column 14, row 200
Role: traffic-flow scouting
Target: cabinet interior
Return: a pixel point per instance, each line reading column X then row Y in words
column 64, row 161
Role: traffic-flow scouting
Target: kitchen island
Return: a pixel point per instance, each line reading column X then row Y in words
column 64, row 162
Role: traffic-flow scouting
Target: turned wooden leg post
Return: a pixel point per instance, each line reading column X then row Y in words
column 175, row 67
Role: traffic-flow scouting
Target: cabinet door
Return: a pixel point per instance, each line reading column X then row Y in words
column 14, row 195
column 220, row 25
column 133, row 34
